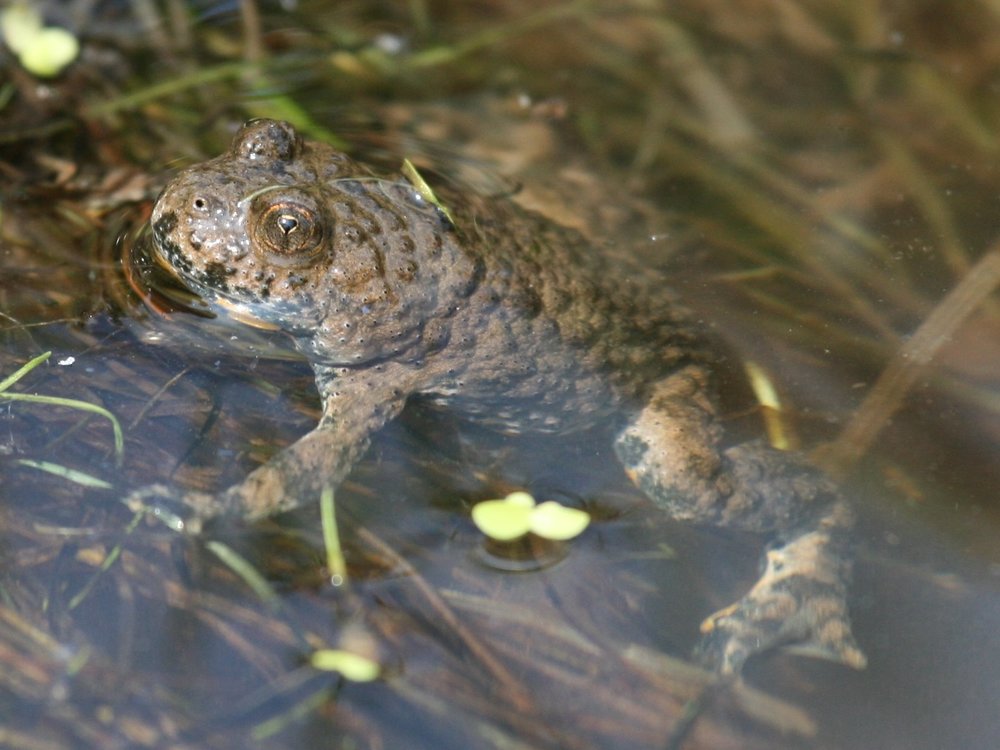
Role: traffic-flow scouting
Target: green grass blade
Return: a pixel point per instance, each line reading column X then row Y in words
column 87, row 480
column 28, row 367
column 110, row 559
column 335, row 562
column 250, row 575
column 72, row 403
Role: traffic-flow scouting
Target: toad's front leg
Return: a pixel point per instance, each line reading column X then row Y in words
column 353, row 409
column 671, row 451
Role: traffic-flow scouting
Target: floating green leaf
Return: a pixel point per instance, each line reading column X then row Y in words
column 43, row 50
column 516, row 515
column 520, row 498
column 551, row 520
column 502, row 520
column 20, row 23
column 51, row 50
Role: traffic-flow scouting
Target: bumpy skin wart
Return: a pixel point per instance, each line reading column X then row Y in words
column 505, row 317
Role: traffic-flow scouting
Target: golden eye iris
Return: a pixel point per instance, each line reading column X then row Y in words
column 290, row 230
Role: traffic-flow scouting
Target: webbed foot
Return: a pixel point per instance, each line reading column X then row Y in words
column 183, row 512
column 798, row 602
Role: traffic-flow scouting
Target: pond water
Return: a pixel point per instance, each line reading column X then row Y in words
column 815, row 180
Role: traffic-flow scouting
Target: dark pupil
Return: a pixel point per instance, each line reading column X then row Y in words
column 288, row 228
column 287, row 224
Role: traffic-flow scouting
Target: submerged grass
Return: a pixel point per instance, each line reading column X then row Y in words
column 71, row 475
column 246, row 571
column 109, row 560
column 911, row 361
column 70, row 403
column 335, row 564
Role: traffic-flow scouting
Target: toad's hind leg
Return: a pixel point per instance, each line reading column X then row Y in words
column 670, row 449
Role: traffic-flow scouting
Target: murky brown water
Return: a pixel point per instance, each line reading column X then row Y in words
column 815, row 179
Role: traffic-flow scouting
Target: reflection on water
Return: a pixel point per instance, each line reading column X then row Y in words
column 815, row 178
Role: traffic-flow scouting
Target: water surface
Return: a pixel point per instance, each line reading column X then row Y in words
column 815, row 179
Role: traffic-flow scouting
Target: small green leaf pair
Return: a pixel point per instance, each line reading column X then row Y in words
column 517, row 514
column 43, row 50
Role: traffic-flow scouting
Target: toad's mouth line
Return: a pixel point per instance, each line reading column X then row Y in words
column 238, row 311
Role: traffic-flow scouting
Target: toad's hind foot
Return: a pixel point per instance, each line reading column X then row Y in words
column 798, row 602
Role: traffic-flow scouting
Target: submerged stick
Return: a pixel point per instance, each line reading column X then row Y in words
column 909, row 363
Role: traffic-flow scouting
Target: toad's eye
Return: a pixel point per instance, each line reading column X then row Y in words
column 289, row 230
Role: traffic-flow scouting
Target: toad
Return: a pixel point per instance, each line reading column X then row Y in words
column 510, row 319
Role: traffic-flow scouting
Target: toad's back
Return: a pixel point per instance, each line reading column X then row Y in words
column 611, row 314
column 520, row 320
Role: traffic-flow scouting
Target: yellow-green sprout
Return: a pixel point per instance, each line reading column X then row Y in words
column 351, row 666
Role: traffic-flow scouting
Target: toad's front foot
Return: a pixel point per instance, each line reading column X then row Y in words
column 181, row 511
column 799, row 602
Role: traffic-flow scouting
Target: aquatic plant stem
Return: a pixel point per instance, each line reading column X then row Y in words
column 909, row 363
column 486, row 656
column 336, row 566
